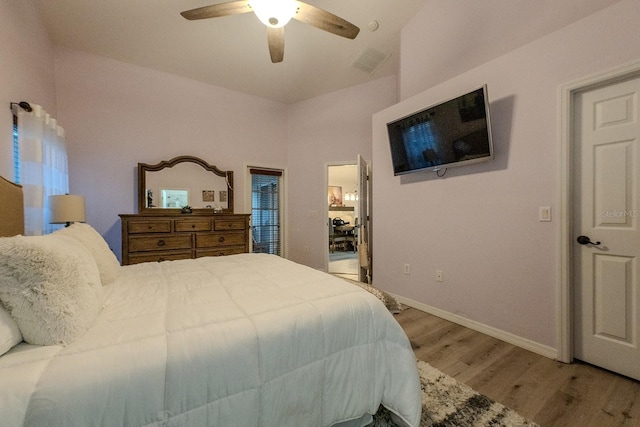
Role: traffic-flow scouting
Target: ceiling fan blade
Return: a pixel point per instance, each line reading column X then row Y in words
column 217, row 10
column 275, row 36
column 325, row 21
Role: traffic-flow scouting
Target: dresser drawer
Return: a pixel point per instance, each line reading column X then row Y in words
column 161, row 235
column 193, row 225
column 158, row 256
column 229, row 224
column 151, row 226
column 159, row 243
column 216, row 240
column 220, row 252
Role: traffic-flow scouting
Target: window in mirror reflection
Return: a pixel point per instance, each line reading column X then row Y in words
column 174, row 197
column 205, row 188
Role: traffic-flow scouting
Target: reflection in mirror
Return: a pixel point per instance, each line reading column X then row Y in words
column 174, row 197
column 183, row 181
column 190, row 178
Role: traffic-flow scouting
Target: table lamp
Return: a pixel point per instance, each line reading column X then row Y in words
column 66, row 208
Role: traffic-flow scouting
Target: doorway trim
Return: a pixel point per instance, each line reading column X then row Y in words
column 284, row 202
column 567, row 97
column 326, row 209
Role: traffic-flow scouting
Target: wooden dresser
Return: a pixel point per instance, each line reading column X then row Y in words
column 181, row 236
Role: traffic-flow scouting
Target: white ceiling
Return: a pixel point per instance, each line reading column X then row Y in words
column 232, row 51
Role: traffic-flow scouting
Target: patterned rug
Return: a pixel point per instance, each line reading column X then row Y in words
column 449, row 403
column 390, row 302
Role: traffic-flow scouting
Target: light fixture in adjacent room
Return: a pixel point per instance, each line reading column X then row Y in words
column 66, row 209
column 274, row 13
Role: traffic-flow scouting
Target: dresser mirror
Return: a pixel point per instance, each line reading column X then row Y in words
column 171, row 185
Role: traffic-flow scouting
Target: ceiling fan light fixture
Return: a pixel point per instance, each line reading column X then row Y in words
column 274, row 13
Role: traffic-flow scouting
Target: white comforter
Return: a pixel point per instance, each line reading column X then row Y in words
column 243, row 340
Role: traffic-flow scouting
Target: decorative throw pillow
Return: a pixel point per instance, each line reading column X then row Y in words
column 51, row 287
column 108, row 264
column 9, row 332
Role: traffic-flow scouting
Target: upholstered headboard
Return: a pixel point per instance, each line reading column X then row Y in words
column 11, row 208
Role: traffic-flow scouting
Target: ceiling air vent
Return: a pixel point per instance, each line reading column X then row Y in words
column 370, row 60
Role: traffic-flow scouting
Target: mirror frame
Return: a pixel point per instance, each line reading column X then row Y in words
column 143, row 168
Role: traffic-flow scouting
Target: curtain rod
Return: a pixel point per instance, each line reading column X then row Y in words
column 22, row 104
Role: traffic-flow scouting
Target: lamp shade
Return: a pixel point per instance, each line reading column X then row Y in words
column 274, row 13
column 66, row 208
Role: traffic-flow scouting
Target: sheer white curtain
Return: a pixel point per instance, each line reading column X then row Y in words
column 43, row 166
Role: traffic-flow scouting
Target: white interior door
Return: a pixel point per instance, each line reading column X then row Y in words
column 364, row 212
column 607, row 213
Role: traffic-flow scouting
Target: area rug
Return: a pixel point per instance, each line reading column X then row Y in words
column 449, row 403
column 390, row 302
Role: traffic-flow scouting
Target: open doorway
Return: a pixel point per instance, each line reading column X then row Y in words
column 343, row 220
column 267, row 213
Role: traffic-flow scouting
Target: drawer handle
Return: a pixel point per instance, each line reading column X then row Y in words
column 221, row 239
column 193, row 226
column 149, row 227
column 160, row 259
column 221, row 254
column 161, row 242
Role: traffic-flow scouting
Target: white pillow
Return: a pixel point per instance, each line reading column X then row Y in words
column 107, row 262
column 51, row 287
column 9, row 332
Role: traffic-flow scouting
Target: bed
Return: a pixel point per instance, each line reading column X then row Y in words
column 241, row 340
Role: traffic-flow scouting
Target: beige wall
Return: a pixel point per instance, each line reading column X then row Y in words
column 332, row 128
column 117, row 115
column 26, row 70
column 479, row 224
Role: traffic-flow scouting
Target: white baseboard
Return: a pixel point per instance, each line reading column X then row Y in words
column 516, row 340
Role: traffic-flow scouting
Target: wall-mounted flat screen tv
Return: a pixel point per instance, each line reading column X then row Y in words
column 456, row 132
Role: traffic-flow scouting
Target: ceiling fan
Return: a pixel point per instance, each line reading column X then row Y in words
column 275, row 14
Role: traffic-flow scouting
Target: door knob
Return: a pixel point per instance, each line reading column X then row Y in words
column 584, row 240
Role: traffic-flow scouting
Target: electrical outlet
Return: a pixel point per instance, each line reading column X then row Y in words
column 439, row 276
column 407, row 269
column 306, row 248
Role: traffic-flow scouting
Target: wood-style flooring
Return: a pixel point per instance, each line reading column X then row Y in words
column 543, row 390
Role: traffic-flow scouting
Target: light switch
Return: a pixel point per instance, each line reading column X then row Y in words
column 545, row 214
